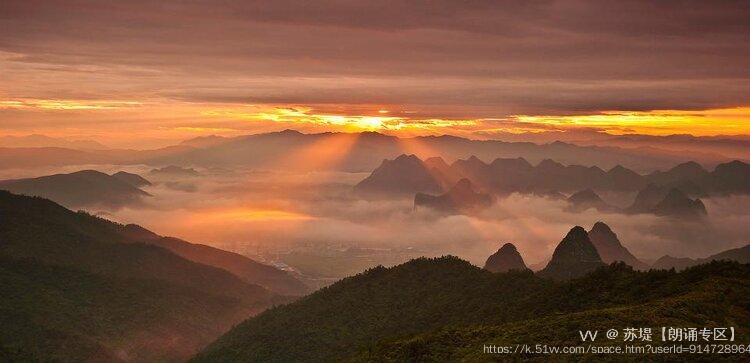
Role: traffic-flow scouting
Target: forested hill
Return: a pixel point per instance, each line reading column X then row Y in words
column 71, row 289
column 367, row 315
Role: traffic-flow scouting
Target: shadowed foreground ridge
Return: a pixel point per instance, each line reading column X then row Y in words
column 75, row 287
column 363, row 317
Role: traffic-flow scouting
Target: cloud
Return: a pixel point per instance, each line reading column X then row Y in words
column 440, row 59
column 250, row 211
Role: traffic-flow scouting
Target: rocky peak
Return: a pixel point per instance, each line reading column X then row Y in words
column 676, row 203
column 610, row 248
column 505, row 259
column 574, row 256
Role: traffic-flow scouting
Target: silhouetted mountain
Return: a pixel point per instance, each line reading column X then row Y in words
column 647, row 199
column 361, row 318
column 174, row 171
column 76, row 287
column 132, row 179
column 677, row 204
column 245, row 268
column 504, row 176
column 365, row 151
column 406, row 174
column 621, row 178
column 609, row 247
column 48, row 156
column 460, row 198
column 575, row 256
column 353, row 152
column 678, row 263
column 442, row 171
column 505, row 259
column 38, row 141
column 510, row 175
column 741, row 255
column 689, row 171
column 82, row 188
column 587, row 199
column 205, row 141
column 729, row 178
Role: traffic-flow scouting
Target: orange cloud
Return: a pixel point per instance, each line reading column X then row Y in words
column 63, row 105
column 729, row 121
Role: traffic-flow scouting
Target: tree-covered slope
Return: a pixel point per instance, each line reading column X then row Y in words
column 273, row 279
column 423, row 295
column 72, row 290
column 720, row 299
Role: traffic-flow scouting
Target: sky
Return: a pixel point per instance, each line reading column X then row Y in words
column 145, row 73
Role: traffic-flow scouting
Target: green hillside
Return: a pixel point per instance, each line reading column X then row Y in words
column 71, row 288
column 381, row 313
column 718, row 301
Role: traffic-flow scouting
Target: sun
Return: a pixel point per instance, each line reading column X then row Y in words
column 370, row 122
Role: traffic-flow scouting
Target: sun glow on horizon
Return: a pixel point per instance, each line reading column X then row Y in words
column 712, row 122
column 168, row 122
column 63, row 105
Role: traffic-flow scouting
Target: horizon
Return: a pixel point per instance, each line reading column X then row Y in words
column 519, row 138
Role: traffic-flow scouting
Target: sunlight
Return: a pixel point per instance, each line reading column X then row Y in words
column 65, row 105
column 326, row 153
column 658, row 122
column 249, row 214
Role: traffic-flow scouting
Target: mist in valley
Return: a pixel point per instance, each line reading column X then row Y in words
column 271, row 214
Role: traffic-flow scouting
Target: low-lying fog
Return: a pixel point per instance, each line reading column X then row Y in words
column 266, row 214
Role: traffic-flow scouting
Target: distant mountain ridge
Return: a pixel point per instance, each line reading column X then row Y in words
column 82, row 188
column 740, row 254
column 36, row 140
column 587, row 199
column 460, row 198
column 364, row 152
column 518, row 175
column 408, row 175
column 132, row 179
column 405, row 175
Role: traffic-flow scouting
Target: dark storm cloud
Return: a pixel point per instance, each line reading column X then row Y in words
column 501, row 57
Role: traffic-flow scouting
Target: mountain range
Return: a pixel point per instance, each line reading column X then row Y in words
column 75, row 285
column 518, row 175
column 661, row 193
column 661, row 201
column 36, row 140
column 455, row 308
column 349, row 152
